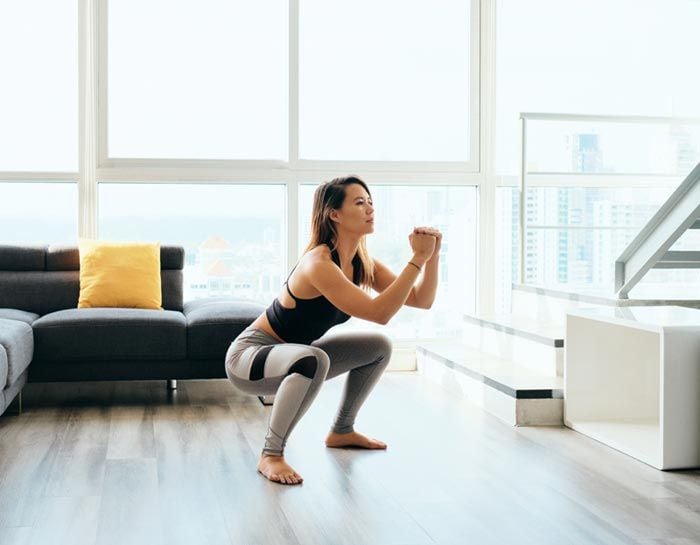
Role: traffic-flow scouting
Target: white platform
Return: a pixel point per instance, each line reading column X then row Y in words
column 551, row 303
column 632, row 381
column 514, row 393
column 535, row 344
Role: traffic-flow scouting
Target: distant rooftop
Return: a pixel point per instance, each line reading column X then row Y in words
column 215, row 243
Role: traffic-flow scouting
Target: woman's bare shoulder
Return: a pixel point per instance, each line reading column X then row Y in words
column 319, row 254
column 316, row 262
column 300, row 279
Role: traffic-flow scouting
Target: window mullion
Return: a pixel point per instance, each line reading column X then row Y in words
column 293, row 132
column 293, row 129
column 87, row 118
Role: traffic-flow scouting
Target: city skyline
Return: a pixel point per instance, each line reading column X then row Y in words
column 576, row 234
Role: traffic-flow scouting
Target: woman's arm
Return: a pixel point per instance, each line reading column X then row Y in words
column 327, row 278
column 384, row 277
column 427, row 285
column 422, row 294
column 343, row 294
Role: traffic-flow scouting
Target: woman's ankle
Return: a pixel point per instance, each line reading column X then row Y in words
column 343, row 431
column 270, row 455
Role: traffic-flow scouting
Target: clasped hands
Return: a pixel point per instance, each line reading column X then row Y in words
column 426, row 237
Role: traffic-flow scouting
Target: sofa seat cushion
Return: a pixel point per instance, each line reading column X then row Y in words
column 16, row 349
column 19, row 315
column 213, row 324
column 110, row 334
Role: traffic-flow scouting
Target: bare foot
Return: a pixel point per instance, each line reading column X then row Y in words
column 353, row 439
column 277, row 470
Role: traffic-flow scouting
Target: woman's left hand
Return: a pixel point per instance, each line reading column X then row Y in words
column 437, row 234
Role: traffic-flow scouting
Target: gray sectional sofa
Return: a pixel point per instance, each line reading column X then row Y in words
column 44, row 337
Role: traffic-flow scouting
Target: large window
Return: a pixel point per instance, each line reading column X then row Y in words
column 39, row 89
column 585, row 57
column 38, row 213
column 207, row 124
column 398, row 209
column 575, row 236
column 233, row 245
column 385, row 81
column 613, row 145
column 594, row 178
column 201, row 80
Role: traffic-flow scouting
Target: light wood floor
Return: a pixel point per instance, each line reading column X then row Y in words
column 125, row 463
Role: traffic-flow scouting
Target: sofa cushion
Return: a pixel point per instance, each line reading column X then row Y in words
column 22, row 258
column 213, row 324
column 39, row 291
column 19, row 315
column 110, row 334
column 62, row 258
column 17, row 348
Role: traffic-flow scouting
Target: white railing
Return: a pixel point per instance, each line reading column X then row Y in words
column 526, row 117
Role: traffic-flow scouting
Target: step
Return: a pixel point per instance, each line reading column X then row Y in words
column 551, row 303
column 509, row 390
column 537, row 345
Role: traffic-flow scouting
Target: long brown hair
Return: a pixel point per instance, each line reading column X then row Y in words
column 329, row 196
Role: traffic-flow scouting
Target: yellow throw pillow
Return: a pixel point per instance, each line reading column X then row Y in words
column 119, row 274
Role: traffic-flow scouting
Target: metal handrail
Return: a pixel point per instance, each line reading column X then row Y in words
column 651, row 248
column 535, row 116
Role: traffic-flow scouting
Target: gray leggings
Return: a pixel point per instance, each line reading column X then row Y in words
column 259, row 364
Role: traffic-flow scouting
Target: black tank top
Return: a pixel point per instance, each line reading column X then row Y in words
column 311, row 318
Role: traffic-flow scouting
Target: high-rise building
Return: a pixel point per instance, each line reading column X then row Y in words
column 586, row 155
column 686, row 154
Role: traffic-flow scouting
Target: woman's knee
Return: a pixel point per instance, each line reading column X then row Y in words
column 313, row 365
column 381, row 344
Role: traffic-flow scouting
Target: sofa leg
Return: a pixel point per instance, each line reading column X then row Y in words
column 15, row 408
column 172, row 384
column 267, row 400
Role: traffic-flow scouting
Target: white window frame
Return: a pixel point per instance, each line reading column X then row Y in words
column 95, row 166
column 294, row 163
column 295, row 171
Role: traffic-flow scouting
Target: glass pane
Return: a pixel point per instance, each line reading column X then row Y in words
column 581, row 257
column 384, row 81
column 592, row 206
column 558, row 146
column 507, row 249
column 204, row 81
column 39, row 213
column 39, row 90
column 398, row 209
column 574, row 66
column 233, row 246
column 604, row 222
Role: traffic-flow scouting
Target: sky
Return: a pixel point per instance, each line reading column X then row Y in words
column 600, row 57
